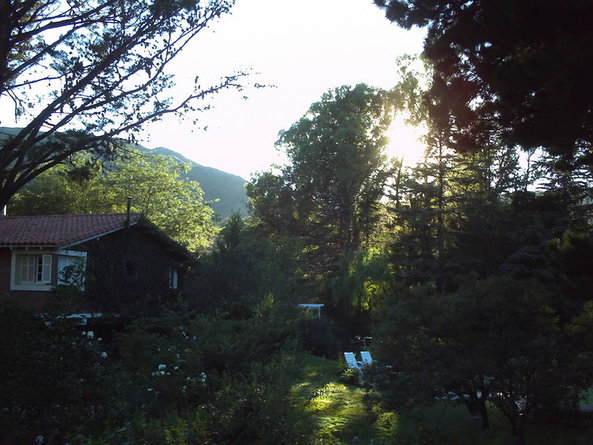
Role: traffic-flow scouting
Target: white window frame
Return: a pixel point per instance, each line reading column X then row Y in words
column 37, row 284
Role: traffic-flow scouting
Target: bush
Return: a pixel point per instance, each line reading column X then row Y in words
column 52, row 375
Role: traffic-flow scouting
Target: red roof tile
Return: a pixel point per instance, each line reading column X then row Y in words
column 58, row 230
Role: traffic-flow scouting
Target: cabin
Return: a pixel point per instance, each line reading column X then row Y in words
column 114, row 263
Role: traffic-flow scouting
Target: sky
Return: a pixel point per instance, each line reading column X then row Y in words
column 303, row 48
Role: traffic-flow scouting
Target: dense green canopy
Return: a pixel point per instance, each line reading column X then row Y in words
column 523, row 67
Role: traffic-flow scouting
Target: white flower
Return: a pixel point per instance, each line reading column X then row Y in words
column 103, row 355
column 161, row 367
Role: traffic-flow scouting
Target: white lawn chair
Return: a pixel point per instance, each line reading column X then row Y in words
column 366, row 358
column 351, row 360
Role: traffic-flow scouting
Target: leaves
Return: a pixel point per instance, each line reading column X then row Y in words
column 507, row 66
column 156, row 184
column 98, row 67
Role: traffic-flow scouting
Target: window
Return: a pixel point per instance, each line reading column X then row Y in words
column 31, row 271
column 173, row 276
column 34, row 271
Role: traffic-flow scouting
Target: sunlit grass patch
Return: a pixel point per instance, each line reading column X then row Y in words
column 336, row 397
column 317, row 372
column 341, row 412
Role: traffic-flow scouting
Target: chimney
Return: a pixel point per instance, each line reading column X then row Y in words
column 129, row 199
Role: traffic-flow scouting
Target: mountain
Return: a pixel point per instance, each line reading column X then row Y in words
column 225, row 190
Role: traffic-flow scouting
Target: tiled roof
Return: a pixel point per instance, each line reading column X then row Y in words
column 58, row 230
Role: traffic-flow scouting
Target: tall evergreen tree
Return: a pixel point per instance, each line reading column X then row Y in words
column 519, row 67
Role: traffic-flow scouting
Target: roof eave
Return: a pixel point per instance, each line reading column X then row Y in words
column 29, row 246
column 74, row 243
column 100, row 235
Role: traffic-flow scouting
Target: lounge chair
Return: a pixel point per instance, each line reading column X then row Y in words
column 366, row 358
column 351, row 360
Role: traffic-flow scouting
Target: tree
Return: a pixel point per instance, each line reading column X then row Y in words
column 465, row 346
column 155, row 184
column 331, row 187
column 81, row 73
column 520, row 67
column 66, row 188
column 243, row 268
column 451, row 211
column 159, row 191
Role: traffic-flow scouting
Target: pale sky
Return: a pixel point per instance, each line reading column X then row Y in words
column 302, row 47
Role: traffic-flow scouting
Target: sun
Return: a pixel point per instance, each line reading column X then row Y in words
column 405, row 142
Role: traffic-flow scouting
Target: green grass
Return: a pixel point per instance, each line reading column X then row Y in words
column 341, row 412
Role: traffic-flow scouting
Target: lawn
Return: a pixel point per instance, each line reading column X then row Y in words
column 343, row 412
column 340, row 410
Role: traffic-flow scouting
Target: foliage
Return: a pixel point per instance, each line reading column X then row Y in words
column 506, row 67
column 476, row 257
column 569, row 257
column 227, row 376
column 68, row 294
column 318, row 336
column 159, row 191
column 363, row 280
column 451, row 212
column 52, row 375
column 176, row 378
column 70, row 187
column 464, row 344
column 328, row 193
column 156, row 185
column 243, row 269
column 80, row 74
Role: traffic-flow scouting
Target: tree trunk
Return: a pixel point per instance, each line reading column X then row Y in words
column 520, row 430
column 517, row 422
column 478, row 411
column 484, row 415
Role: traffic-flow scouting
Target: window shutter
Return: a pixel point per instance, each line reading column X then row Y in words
column 46, row 268
column 173, row 276
column 175, row 279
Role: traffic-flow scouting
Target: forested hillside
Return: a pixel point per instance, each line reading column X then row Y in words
column 225, row 191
